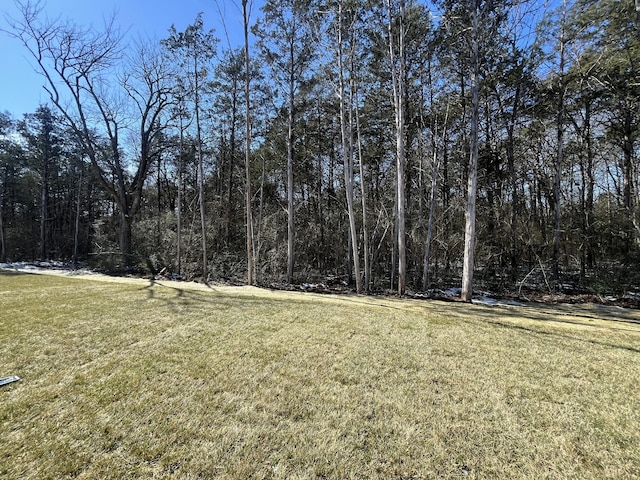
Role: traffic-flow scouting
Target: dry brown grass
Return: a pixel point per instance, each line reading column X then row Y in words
column 134, row 380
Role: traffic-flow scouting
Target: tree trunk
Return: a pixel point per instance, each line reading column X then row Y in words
column 435, row 165
column 559, row 155
column 201, row 199
column 203, row 218
column 320, row 221
column 3, row 247
column 394, row 247
column 44, row 206
column 261, row 208
column 125, row 238
column 76, row 231
column 628, row 181
column 232, row 156
column 513, row 223
column 472, row 178
column 398, row 79
column 229, row 194
column 290, row 219
column 346, row 131
column 363, row 194
column 247, row 153
column 589, row 214
column 179, row 200
column 432, row 208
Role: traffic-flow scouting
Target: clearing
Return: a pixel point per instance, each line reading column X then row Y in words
column 143, row 379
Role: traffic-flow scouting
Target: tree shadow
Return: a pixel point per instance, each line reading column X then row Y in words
column 13, row 273
column 546, row 319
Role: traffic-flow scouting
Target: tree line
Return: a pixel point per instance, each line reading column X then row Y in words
column 394, row 144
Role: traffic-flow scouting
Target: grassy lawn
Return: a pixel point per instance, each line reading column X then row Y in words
column 140, row 380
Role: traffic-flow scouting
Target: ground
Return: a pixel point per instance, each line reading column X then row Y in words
column 135, row 378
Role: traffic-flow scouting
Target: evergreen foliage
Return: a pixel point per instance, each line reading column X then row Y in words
column 557, row 125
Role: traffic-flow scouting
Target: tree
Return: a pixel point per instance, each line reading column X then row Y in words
column 611, row 61
column 6, row 147
column 472, row 179
column 344, row 22
column 180, row 111
column 285, row 39
column 228, row 88
column 560, row 127
column 438, row 126
column 398, row 75
column 78, row 65
column 246, row 13
column 193, row 49
column 42, row 133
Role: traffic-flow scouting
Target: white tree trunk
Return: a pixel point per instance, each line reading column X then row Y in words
column 472, row 180
column 398, row 68
column 346, row 130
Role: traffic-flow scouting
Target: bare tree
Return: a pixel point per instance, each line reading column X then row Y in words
column 78, row 65
column 179, row 94
column 3, row 248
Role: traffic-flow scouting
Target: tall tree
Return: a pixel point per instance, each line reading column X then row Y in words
column 475, row 23
column 193, row 50
column 363, row 191
column 180, row 110
column 345, row 52
column 612, row 61
column 6, row 156
column 560, row 127
column 475, row 10
column 396, row 42
column 41, row 130
column 228, row 88
column 246, row 14
column 438, row 134
column 285, row 37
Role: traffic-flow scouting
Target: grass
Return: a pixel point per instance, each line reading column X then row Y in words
column 140, row 380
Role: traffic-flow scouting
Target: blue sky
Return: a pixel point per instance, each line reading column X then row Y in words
column 21, row 88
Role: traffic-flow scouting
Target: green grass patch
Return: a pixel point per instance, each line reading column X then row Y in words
column 140, row 380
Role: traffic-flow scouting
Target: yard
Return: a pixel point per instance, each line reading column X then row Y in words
column 141, row 379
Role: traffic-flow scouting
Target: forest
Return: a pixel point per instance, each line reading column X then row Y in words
column 394, row 145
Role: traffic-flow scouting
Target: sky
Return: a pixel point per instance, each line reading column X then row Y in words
column 21, row 87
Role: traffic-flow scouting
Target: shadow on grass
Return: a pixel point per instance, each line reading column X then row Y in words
column 13, row 273
column 550, row 314
column 210, row 296
column 542, row 318
column 503, row 317
column 570, row 337
column 545, row 314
